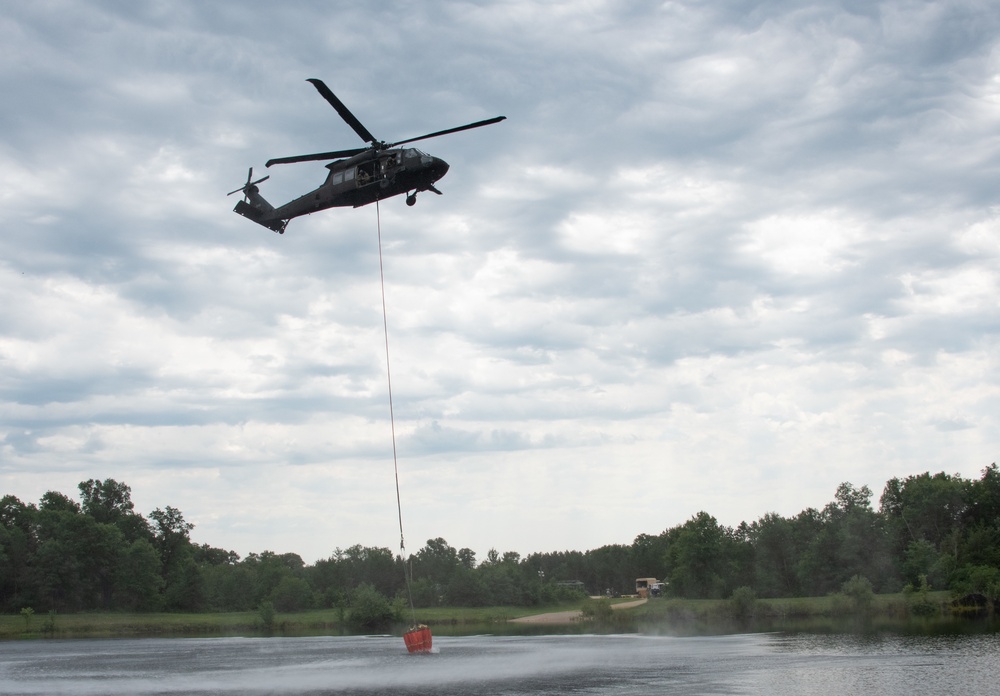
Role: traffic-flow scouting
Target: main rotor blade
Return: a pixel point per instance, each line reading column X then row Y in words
column 344, row 112
column 319, row 156
column 477, row 124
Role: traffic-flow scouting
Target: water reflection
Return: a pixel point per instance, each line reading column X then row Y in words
column 487, row 665
column 936, row 626
column 879, row 663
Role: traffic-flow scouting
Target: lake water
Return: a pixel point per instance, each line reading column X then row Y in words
column 772, row 664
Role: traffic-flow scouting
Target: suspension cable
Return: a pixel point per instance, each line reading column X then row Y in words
column 392, row 419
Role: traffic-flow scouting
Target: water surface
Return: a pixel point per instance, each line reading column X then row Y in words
column 774, row 664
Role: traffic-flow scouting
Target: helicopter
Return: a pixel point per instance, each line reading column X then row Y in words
column 357, row 177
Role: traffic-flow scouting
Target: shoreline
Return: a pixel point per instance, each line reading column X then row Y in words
column 562, row 618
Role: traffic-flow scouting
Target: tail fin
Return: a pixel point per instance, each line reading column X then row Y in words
column 255, row 207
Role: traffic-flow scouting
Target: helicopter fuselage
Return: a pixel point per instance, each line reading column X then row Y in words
column 354, row 182
column 363, row 179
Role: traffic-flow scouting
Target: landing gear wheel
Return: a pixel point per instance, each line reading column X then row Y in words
column 411, row 199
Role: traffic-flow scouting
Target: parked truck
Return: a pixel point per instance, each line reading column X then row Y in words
column 649, row 587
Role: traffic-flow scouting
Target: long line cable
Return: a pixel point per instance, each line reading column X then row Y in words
column 392, row 419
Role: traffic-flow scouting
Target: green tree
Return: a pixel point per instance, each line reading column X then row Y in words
column 53, row 501
column 426, row 593
column 138, row 581
column 229, row 587
column 76, row 556
column 171, row 533
column 846, row 538
column 376, row 566
column 224, row 580
column 983, row 498
column 17, row 549
column 922, row 560
column 811, row 562
column 110, row 502
column 649, row 557
column 337, row 575
column 467, row 558
column 436, row 561
column 925, row 507
column 774, row 556
column 698, row 558
column 267, row 570
column 863, row 547
column 466, row 589
column 292, row 594
column 183, row 586
column 209, row 555
column 612, row 565
column 980, row 545
column 501, row 583
column 182, row 582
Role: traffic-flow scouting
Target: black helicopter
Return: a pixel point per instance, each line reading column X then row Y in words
column 368, row 174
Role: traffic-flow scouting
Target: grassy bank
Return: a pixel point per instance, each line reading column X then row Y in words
column 115, row 625
column 897, row 613
column 834, row 613
column 317, row 622
column 897, row 605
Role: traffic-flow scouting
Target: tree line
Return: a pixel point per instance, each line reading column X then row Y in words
column 940, row 531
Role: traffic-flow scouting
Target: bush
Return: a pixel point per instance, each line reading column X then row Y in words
column 370, row 610
column 859, row 590
column 976, row 579
column 265, row 612
column 743, row 602
column 919, row 599
column 598, row 610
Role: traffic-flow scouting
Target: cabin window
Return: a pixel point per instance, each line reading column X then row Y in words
column 348, row 175
column 337, row 177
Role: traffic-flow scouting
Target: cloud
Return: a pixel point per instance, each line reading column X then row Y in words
column 717, row 258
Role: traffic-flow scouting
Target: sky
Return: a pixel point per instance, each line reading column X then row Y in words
column 721, row 257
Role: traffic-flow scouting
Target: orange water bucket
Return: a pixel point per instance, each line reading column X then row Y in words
column 418, row 639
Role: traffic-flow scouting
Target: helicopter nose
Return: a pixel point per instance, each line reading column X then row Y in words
column 438, row 167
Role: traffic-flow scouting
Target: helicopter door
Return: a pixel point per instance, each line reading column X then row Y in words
column 367, row 173
column 389, row 164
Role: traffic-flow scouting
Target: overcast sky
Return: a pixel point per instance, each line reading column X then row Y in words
column 721, row 256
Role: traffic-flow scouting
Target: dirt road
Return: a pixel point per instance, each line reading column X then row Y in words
column 565, row 617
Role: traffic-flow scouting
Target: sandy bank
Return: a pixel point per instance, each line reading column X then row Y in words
column 565, row 617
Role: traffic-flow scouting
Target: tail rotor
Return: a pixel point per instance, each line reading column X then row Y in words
column 245, row 188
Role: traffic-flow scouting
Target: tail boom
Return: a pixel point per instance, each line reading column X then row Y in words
column 260, row 211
